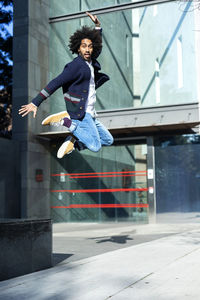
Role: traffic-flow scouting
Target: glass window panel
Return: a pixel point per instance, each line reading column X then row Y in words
column 63, row 7
column 177, row 161
column 106, row 186
column 150, row 37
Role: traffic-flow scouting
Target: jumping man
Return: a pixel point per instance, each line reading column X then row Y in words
column 79, row 81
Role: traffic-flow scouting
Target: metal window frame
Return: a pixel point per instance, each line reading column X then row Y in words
column 108, row 9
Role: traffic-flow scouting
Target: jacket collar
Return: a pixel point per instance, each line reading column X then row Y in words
column 95, row 63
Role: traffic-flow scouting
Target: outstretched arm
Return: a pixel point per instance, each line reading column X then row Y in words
column 67, row 75
column 98, row 28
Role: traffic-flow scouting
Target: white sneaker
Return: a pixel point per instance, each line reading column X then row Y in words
column 67, row 147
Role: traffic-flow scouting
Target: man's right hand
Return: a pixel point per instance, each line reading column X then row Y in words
column 26, row 109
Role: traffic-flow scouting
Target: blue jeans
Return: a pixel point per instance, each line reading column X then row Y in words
column 91, row 134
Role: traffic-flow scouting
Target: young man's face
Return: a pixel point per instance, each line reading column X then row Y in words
column 86, row 49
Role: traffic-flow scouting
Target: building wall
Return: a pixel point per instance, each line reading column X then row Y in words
column 40, row 53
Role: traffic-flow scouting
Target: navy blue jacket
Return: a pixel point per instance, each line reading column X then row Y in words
column 74, row 81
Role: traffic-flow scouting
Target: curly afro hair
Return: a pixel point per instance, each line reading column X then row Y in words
column 86, row 33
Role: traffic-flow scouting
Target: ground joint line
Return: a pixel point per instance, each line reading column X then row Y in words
column 130, row 285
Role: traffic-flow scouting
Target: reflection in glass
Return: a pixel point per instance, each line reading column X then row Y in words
column 180, row 61
column 177, row 161
column 63, row 7
column 133, row 40
column 106, row 186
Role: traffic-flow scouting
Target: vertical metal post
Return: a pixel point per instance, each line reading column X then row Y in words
column 197, row 51
column 151, row 194
column 99, row 194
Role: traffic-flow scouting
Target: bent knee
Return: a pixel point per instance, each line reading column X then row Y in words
column 94, row 148
column 110, row 141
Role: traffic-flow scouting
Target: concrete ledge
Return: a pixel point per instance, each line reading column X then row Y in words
column 26, row 246
column 145, row 121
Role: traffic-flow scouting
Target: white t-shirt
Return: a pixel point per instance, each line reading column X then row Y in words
column 89, row 108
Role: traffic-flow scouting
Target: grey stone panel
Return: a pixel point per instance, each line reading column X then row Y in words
column 20, row 28
column 20, row 22
column 38, row 205
column 9, row 179
column 20, row 92
column 38, row 161
column 43, row 52
column 32, row 76
column 38, row 202
column 19, row 124
column 38, row 10
column 37, row 148
column 32, row 93
column 20, row 136
column 38, row 185
column 44, row 77
column 39, row 35
column 38, row 52
column 34, row 127
column 20, row 8
column 23, row 198
column 37, row 74
column 20, row 45
column 3, row 196
column 26, row 247
column 23, row 147
column 20, row 71
column 32, row 61
column 38, row 78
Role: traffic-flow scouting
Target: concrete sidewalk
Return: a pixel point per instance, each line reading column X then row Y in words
column 165, row 269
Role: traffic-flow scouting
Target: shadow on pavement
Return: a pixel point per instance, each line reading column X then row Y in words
column 59, row 257
column 120, row 239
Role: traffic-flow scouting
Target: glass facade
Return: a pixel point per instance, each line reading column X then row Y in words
column 107, row 186
column 150, row 59
column 177, row 173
